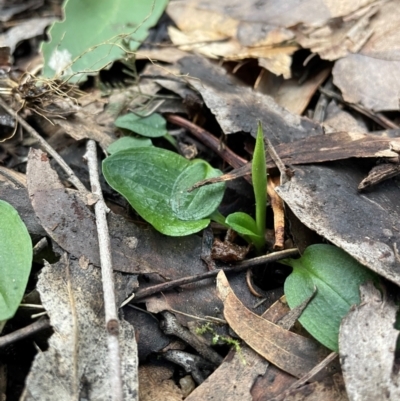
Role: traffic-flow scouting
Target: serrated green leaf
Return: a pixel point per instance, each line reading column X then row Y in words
column 152, row 126
column 90, row 36
column 201, row 202
column 128, row 142
column 145, row 177
column 15, row 260
column 246, row 226
column 337, row 278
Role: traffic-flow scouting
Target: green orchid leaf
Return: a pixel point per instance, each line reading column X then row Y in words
column 336, row 277
column 259, row 179
column 128, row 142
column 201, row 202
column 145, row 177
column 152, row 126
column 245, row 225
column 93, row 34
column 15, row 260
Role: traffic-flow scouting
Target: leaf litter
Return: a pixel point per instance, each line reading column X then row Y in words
column 324, row 157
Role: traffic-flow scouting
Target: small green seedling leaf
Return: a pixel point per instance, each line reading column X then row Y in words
column 152, row 126
column 146, row 177
column 259, row 179
column 253, row 231
column 246, row 226
column 15, row 260
column 128, row 142
column 337, row 278
column 91, row 35
column 201, row 202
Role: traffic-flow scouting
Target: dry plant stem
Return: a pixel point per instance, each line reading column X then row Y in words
column 250, row 286
column 277, row 160
column 25, row 332
column 272, row 257
column 209, row 140
column 279, row 214
column 71, row 175
column 112, row 323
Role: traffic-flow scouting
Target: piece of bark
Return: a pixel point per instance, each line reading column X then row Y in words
column 238, row 108
column 367, row 345
column 338, row 146
column 379, row 173
column 76, row 361
column 367, row 226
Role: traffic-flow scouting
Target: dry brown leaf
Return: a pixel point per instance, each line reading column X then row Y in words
column 283, row 13
column 84, row 126
column 337, row 39
column 75, row 365
column 156, row 384
column 242, row 369
column 367, row 345
column 13, row 190
column 24, row 30
column 339, row 120
column 367, row 226
column 289, row 93
column 372, row 76
column 291, row 352
column 370, row 81
column 237, row 108
column 216, row 35
column 278, row 64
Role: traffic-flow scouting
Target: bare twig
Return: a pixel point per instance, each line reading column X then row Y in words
column 71, row 175
column 26, row 331
column 209, row 140
column 272, row 257
column 112, row 323
column 277, row 160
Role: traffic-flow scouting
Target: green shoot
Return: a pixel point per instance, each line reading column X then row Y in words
column 253, row 230
column 259, row 177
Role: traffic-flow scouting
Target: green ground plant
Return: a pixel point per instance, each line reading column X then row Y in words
column 157, row 182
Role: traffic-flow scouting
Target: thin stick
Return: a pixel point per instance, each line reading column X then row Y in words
column 112, row 323
column 209, row 140
column 277, row 160
column 26, row 331
column 272, row 257
column 71, row 175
